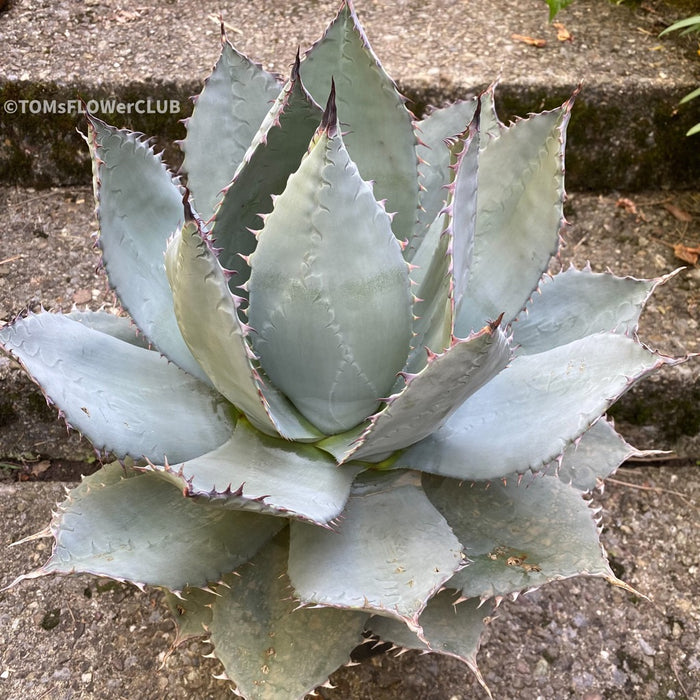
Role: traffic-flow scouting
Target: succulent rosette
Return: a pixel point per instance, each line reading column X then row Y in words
column 342, row 357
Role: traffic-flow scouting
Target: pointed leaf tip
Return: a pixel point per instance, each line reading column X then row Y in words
column 189, row 214
column 329, row 122
column 493, row 325
column 295, row 67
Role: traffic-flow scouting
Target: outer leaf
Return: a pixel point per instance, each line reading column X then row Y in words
column 255, row 472
column 124, row 398
column 139, row 528
column 270, row 648
column 693, row 94
column 449, row 626
column 393, row 552
column 434, row 162
column 276, row 151
column 208, row 316
column 227, row 115
column 380, row 134
column 430, row 397
column 598, row 453
column 690, row 24
column 191, row 610
column 527, row 415
column 520, row 212
column 329, row 292
column 577, row 303
column 139, row 207
column 518, row 536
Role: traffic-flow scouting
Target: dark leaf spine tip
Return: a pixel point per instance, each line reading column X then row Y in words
column 476, row 119
column 189, row 214
column 296, row 66
column 495, row 324
column 329, row 121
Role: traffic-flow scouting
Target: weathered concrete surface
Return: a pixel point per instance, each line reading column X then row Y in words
column 626, row 131
column 82, row 637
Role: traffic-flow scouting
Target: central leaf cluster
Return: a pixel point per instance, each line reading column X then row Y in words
column 330, row 301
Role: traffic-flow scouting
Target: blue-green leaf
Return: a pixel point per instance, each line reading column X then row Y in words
column 227, row 114
column 139, row 528
column 449, row 626
column 433, row 308
column 255, row 472
column 519, row 214
column 595, row 456
column 392, row 552
column 127, row 400
column 380, row 134
column 490, row 126
column 207, row 313
column 447, row 258
column 330, row 303
column 276, row 152
column 120, row 327
column 431, row 396
column 270, row 647
column 527, row 415
column 576, row 303
column 139, row 208
column 462, row 210
column 518, row 535
column 191, row 610
column 434, row 162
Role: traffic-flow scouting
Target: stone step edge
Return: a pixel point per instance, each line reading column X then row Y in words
column 626, row 140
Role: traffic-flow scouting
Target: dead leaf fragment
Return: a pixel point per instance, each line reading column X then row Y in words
column 126, row 16
column 38, row 468
column 563, row 34
column 628, row 205
column 687, row 254
column 678, row 213
column 529, row 40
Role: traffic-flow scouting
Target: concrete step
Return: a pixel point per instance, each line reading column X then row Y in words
column 627, row 130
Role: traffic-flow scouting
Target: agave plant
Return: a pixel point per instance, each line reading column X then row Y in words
column 342, row 358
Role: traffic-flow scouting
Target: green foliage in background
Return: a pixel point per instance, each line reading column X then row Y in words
column 689, row 25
